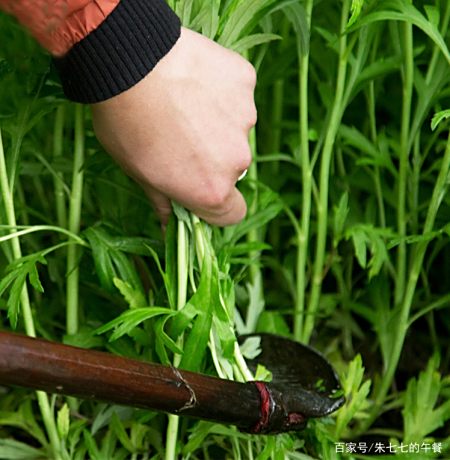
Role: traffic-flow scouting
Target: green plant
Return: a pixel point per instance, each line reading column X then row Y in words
column 346, row 243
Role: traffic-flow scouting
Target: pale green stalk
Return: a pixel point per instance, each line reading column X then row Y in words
column 374, row 138
column 403, row 320
column 58, row 143
column 38, row 228
column 73, row 252
column 182, row 281
column 305, row 164
column 408, row 76
column 255, row 275
column 44, row 404
column 322, row 205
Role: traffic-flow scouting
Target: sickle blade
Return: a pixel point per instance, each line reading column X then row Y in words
column 306, row 380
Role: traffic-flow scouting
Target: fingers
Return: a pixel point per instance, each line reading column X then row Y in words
column 214, row 209
column 161, row 204
column 229, row 211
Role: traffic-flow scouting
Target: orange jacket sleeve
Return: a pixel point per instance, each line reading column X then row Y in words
column 100, row 47
column 59, row 24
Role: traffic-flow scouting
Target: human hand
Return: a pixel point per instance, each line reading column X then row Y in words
column 182, row 131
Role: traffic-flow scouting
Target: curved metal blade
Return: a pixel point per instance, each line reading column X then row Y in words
column 307, row 381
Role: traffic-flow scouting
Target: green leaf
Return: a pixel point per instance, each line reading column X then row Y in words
column 403, row 10
column 370, row 154
column 433, row 14
column 182, row 214
column 183, row 318
column 204, row 301
column 368, row 237
column 250, row 348
column 197, row 343
column 127, row 321
column 340, row 216
column 420, row 415
column 356, row 392
column 91, row 445
column 163, row 341
column 134, row 297
column 207, row 19
column 359, row 242
column 110, row 262
column 439, row 117
column 296, row 14
column 273, row 322
column 63, row 421
column 245, row 43
column 11, row 449
column 121, row 434
column 84, row 338
column 15, row 279
column 236, row 19
column 269, row 207
column 355, row 9
column 24, row 419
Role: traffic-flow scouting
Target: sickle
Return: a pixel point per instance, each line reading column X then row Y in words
column 304, row 384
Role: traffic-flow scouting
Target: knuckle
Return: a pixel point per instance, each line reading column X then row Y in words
column 251, row 74
column 245, row 158
column 217, row 199
column 253, row 116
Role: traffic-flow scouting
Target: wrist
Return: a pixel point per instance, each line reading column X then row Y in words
column 119, row 52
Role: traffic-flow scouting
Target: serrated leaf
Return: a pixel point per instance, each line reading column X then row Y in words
column 130, row 319
column 109, row 260
column 134, row 297
column 356, row 392
column 439, row 117
column 420, row 415
column 24, row 419
column 33, row 276
column 355, row 9
column 15, row 279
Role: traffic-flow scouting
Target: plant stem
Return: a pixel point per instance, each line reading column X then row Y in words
column 408, row 75
column 256, row 279
column 58, row 142
column 403, row 322
column 182, row 281
column 327, row 154
column 44, row 404
column 305, row 163
column 73, row 252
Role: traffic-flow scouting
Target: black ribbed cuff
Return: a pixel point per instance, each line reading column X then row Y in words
column 121, row 51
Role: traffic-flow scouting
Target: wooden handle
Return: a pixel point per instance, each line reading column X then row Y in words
column 88, row 374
